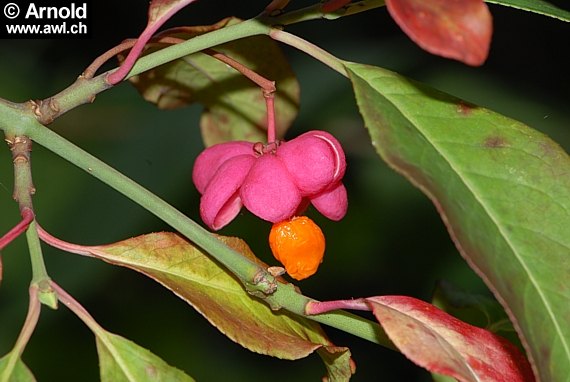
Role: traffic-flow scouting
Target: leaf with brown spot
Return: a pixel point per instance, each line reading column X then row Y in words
column 501, row 188
column 234, row 106
column 459, row 29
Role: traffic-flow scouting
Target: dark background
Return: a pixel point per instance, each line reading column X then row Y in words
column 391, row 242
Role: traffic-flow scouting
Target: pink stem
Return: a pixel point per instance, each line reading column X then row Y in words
column 63, row 245
column 73, row 305
column 90, row 71
column 27, row 218
column 152, row 26
column 270, row 105
column 30, row 323
column 316, row 307
column 276, row 5
column 120, row 74
column 268, row 88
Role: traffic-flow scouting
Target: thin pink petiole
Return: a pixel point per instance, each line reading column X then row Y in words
column 270, row 105
column 267, row 87
column 27, row 218
column 73, row 305
column 317, row 307
column 63, row 245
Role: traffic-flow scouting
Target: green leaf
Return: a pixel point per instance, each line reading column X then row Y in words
column 536, row 6
column 16, row 372
column 218, row 295
column 442, row 378
column 121, row 360
column 234, row 105
column 340, row 366
column 502, row 189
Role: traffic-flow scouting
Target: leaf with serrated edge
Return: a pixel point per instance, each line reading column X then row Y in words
column 234, row 106
column 216, row 294
column 459, row 29
column 443, row 344
column 502, row 189
column 121, row 360
column 17, row 373
column 536, row 6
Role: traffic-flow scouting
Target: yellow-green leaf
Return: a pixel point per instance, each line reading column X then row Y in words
column 14, row 372
column 121, row 360
column 220, row 297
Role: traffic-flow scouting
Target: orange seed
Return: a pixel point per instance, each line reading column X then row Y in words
column 299, row 244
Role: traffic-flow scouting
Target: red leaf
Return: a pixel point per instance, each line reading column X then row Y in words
column 458, row 29
column 333, row 5
column 443, row 344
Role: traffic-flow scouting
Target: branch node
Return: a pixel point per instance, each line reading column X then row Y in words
column 45, row 110
column 264, row 284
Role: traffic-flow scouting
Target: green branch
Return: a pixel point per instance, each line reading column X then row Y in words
column 311, row 49
column 20, row 120
column 256, row 278
column 85, row 90
column 21, row 147
column 242, row 267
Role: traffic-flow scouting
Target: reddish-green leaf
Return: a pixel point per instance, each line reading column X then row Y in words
column 17, row 371
column 459, row 29
column 220, row 297
column 503, row 191
column 475, row 309
column 339, row 365
column 234, row 106
column 121, row 360
column 443, row 344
